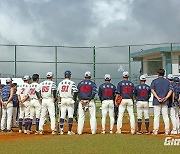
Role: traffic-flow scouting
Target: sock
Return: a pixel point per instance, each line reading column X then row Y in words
column 37, row 124
column 26, row 123
column 61, row 123
column 147, row 124
column 70, row 122
column 139, row 124
column 29, row 124
column 20, row 123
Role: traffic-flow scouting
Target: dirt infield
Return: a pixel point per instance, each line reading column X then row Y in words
column 15, row 135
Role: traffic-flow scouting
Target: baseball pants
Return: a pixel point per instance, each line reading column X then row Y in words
column 35, row 108
column 14, row 117
column 142, row 106
column 107, row 105
column 157, row 110
column 47, row 105
column 126, row 103
column 24, row 110
column 174, row 118
column 81, row 118
column 6, row 118
column 67, row 104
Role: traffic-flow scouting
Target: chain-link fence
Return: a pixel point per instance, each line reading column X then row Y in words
column 18, row 60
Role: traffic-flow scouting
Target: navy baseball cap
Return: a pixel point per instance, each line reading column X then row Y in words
column 67, row 74
column 176, row 79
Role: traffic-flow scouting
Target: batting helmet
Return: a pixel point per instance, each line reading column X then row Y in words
column 67, row 74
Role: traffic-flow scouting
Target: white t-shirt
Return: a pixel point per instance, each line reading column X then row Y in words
column 66, row 89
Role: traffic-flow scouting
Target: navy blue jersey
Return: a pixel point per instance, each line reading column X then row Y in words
column 107, row 91
column 170, row 98
column 161, row 86
column 86, row 88
column 5, row 93
column 125, row 88
column 176, row 96
column 142, row 92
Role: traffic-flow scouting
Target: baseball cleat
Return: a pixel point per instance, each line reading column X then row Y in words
column 111, row 132
column 36, row 133
column 166, row 133
column 118, row 132
column 20, row 131
column 71, row 133
column 41, row 132
column 154, row 132
column 61, row 132
column 103, row 132
column 147, row 132
column 25, row 131
column 139, row 133
column 174, row 132
column 9, row 131
column 53, row 132
column 132, row 131
column 28, row 132
column 3, row 130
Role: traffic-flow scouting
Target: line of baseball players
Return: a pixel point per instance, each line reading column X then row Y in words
column 36, row 99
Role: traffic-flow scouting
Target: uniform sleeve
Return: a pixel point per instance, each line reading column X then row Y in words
column 152, row 85
column 58, row 90
column 135, row 91
column 100, row 92
column 149, row 93
column 171, row 87
column 38, row 88
column 74, row 88
column 118, row 89
column 94, row 89
column 54, row 86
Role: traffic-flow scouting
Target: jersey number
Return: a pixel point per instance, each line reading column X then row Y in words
column 108, row 92
column 85, row 89
column 32, row 91
column 45, row 88
column 143, row 93
column 22, row 90
column 64, row 88
column 127, row 89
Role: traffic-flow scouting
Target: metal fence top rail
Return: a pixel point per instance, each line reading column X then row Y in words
column 85, row 47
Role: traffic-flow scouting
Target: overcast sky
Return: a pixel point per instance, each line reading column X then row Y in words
column 88, row 22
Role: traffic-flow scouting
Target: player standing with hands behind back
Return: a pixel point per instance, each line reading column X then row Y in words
column 86, row 91
column 125, row 89
column 67, row 92
column 162, row 90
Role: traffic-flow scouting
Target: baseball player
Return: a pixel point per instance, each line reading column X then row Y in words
column 174, row 107
column 47, row 91
column 7, row 105
column 142, row 93
column 15, row 106
column 23, row 99
column 86, row 92
column 107, row 95
column 125, row 88
column 161, row 90
column 35, row 104
column 67, row 92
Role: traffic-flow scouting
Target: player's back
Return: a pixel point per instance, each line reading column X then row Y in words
column 32, row 88
column 67, row 88
column 142, row 92
column 23, row 90
column 46, row 88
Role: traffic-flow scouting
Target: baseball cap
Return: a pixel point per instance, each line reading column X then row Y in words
column 67, row 73
column 143, row 78
column 176, row 79
column 9, row 80
column 125, row 74
column 107, row 77
column 87, row 74
column 170, row 76
column 49, row 74
column 26, row 77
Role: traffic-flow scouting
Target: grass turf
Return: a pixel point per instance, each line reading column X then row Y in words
column 87, row 143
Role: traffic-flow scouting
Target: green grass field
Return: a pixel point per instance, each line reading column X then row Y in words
column 89, row 144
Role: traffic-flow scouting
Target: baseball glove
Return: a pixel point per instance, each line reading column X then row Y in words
column 118, row 100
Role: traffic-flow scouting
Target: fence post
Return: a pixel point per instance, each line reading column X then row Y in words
column 94, row 62
column 56, row 69
column 15, row 58
column 130, row 62
column 171, row 58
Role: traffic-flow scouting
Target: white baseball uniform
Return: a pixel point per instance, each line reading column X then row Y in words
column 46, row 88
column 35, row 105
column 66, row 90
